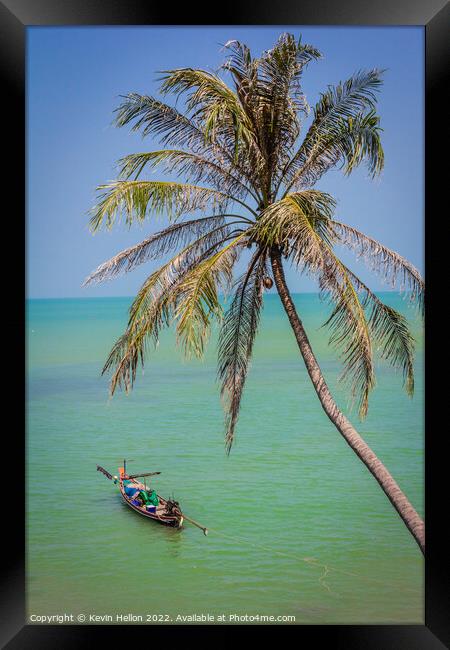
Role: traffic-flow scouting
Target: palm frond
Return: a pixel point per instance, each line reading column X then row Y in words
column 360, row 141
column 213, row 104
column 193, row 167
column 281, row 98
column 149, row 313
column 240, row 63
column 294, row 222
column 392, row 267
column 135, row 199
column 151, row 116
column 244, row 71
column 344, row 111
column 390, row 332
column 154, row 308
column 348, row 145
column 280, row 70
column 130, row 349
column 170, row 275
column 197, row 297
column 124, row 361
column 236, row 337
column 161, row 243
column 350, row 335
column 269, row 91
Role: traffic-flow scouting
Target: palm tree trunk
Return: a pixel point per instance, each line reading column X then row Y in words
column 412, row 520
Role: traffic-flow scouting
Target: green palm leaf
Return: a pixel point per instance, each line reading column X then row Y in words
column 293, row 224
column 193, row 167
column 237, row 334
column 154, row 308
column 337, row 116
column 350, row 334
column 214, row 105
column 150, row 116
column 390, row 332
column 197, row 299
column 161, row 243
column 393, row 268
column 135, row 199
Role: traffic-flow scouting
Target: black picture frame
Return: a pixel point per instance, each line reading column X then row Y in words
column 15, row 17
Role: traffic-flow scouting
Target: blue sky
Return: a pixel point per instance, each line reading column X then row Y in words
column 75, row 77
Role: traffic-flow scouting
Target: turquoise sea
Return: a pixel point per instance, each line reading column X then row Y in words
column 298, row 526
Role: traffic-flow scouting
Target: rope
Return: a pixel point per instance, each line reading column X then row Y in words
column 327, row 569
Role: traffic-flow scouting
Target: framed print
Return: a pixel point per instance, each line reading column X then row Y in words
column 244, row 210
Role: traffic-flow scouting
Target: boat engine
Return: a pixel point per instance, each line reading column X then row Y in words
column 172, row 507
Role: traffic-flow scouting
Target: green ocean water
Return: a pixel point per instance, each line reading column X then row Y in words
column 298, row 526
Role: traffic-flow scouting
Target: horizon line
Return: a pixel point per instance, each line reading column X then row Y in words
column 273, row 293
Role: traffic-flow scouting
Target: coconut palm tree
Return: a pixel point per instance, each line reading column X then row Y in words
column 251, row 185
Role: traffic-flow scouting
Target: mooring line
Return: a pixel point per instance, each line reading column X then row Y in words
column 327, row 569
column 308, row 560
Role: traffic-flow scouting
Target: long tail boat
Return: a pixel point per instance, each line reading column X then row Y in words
column 134, row 493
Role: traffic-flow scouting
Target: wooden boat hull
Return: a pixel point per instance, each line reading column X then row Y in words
column 175, row 521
